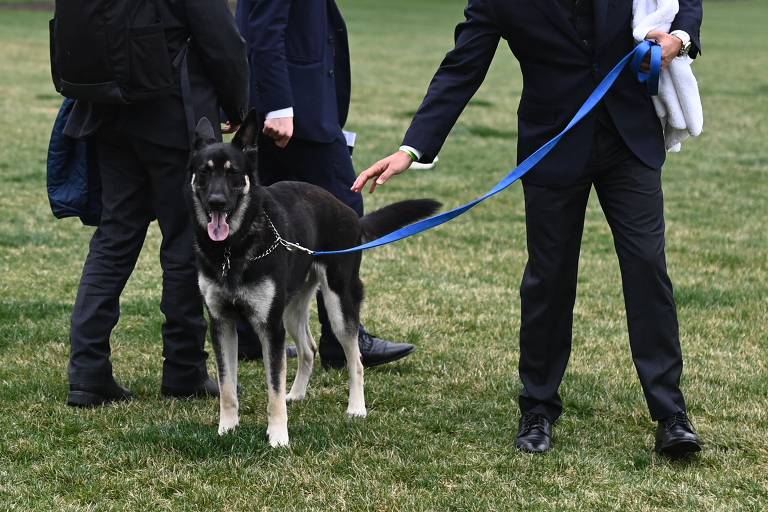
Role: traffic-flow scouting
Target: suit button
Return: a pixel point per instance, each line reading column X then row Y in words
column 330, row 39
column 331, row 73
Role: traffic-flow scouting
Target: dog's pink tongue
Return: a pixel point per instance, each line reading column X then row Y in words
column 218, row 229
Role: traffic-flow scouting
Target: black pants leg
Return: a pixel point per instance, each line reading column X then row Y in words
column 184, row 329
column 114, row 249
column 554, row 225
column 328, row 166
column 139, row 181
column 632, row 200
column 631, row 196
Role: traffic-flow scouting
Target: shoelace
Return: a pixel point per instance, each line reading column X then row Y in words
column 533, row 420
column 677, row 419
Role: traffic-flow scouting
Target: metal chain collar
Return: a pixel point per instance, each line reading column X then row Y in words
column 279, row 240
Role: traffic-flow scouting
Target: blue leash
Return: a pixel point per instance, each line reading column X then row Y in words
column 634, row 59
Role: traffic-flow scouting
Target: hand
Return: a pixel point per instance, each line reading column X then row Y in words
column 383, row 170
column 670, row 47
column 280, row 129
column 227, row 128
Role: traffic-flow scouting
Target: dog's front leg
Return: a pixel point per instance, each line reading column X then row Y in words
column 272, row 336
column 224, row 336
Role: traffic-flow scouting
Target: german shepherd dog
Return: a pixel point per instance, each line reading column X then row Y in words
column 249, row 244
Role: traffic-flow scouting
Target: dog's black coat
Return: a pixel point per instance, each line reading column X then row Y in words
column 224, row 178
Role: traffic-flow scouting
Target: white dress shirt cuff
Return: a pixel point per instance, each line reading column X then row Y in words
column 283, row 112
column 683, row 35
column 415, row 152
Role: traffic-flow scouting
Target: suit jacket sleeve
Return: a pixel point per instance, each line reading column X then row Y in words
column 689, row 18
column 460, row 75
column 223, row 52
column 267, row 23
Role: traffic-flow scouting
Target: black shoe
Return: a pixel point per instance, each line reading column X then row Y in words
column 676, row 438
column 373, row 350
column 94, row 396
column 253, row 352
column 207, row 388
column 535, row 434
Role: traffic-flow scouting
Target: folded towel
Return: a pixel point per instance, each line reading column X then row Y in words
column 678, row 104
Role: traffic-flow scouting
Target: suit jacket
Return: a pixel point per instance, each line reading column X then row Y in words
column 218, row 72
column 559, row 73
column 299, row 55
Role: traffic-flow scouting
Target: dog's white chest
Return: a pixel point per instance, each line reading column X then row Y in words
column 257, row 297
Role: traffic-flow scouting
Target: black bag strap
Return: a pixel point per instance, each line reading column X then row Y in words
column 182, row 63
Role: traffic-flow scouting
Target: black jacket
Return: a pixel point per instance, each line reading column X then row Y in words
column 299, row 57
column 218, row 70
column 559, row 73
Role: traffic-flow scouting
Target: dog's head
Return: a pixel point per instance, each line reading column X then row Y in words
column 221, row 177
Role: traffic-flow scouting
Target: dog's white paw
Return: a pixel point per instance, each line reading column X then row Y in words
column 295, row 396
column 228, row 423
column 357, row 412
column 278, row 436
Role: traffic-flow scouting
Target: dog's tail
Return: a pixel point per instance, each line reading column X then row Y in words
column 395, row 216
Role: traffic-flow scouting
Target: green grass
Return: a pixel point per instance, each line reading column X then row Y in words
column 441, row 424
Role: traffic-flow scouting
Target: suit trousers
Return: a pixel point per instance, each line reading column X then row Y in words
column 328, row 166
column 631, row 197
column 141, row 181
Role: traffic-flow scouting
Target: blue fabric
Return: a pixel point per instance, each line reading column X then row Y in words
column 74, row 185
column 299, row 57
column 634, row 58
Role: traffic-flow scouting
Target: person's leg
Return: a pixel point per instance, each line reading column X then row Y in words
column 632, row 199
column 114, row 249
column 554, row 224
column 184, row 366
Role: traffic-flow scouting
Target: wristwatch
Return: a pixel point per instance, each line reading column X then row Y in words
column 686, row 48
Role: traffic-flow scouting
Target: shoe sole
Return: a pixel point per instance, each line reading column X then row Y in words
column 87, row 400
column 679, row 450
column 338, row 364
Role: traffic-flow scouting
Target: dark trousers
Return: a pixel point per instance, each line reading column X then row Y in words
column 328, row 166
column 140, row 182
column 631, row 197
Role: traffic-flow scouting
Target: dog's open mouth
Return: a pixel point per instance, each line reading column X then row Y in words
column 218, row 229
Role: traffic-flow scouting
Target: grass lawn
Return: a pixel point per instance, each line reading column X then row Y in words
column 441, row 424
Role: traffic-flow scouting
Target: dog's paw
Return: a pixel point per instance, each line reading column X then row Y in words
column 357, row 412
column 228, row 424
column 278, row 436
column 295, row 396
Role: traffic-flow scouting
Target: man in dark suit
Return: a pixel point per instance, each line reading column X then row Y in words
column 301, row 83
column 565, row 47
column 143, row 150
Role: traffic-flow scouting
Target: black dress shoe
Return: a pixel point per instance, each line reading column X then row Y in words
column 373, row 350
column 253, row 352
column 94, row 396
column 676, row 438
column 535, row 433
column 207, row 388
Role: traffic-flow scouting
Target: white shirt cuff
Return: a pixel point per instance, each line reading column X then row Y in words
column 283, row 112
column 683, row 35
column 409, row 149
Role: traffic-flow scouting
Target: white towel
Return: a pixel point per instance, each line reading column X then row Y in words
column 678, row 104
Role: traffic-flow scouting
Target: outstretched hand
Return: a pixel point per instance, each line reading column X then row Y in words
column 381, row 171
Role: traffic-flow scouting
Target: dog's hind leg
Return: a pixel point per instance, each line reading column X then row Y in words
column 343, row 310
column 272, row 336
column 296, row 321
column 224, row 337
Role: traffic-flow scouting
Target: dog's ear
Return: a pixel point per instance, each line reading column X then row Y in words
column 204, row 134
column 248, row 135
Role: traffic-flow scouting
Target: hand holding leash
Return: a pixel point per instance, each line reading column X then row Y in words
column 670, row 47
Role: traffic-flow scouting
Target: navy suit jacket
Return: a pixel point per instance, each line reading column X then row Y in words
column 559, row 73
column 299, row 56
